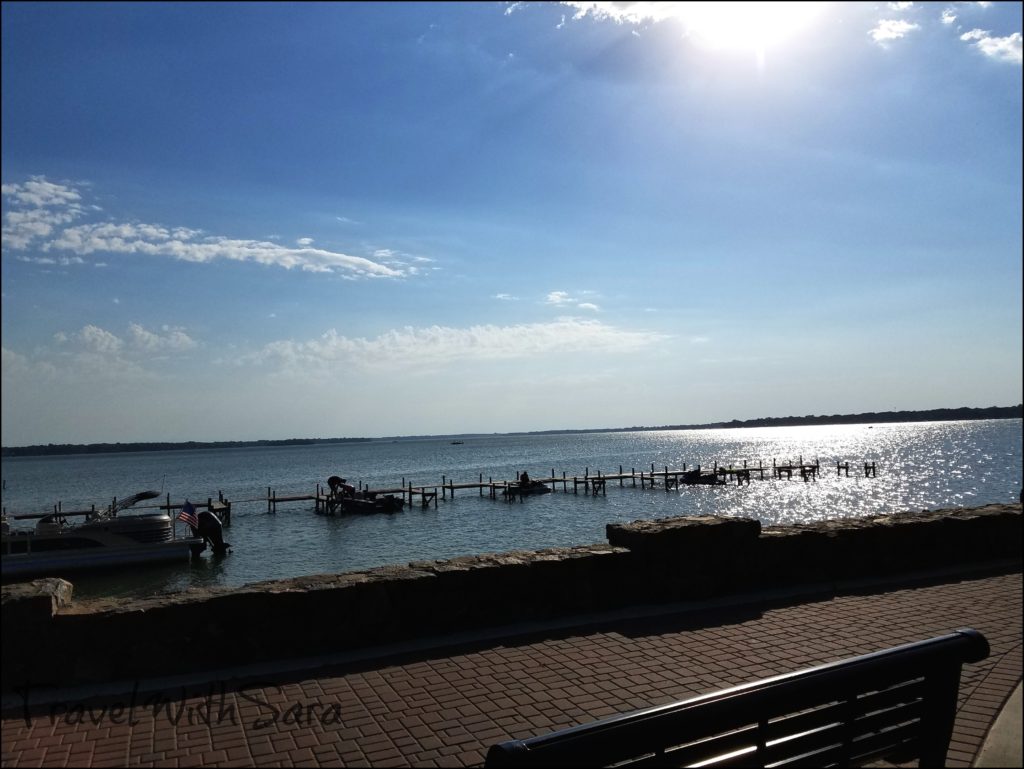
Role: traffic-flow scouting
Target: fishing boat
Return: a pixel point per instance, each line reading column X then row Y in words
column 55, row 547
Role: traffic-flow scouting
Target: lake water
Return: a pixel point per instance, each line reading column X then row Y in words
column 920, row 466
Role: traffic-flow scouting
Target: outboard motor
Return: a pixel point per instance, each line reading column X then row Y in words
column 212, row 532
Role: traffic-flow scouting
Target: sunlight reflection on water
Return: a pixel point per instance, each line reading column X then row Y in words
column 920, row 466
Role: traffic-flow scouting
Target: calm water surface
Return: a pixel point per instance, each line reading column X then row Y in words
column 920, row 466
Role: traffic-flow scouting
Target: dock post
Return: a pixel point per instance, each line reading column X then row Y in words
column 443, row 489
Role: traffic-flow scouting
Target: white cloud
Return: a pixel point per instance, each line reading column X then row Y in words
column 40, row 212
column 763, row 25
column 173, row 339
column 63, row 261
column 506, row 297
column 40, row 193
column 98, row 355
column 434, row 346
column 17, row 367
column 892, row 29
column 95, row 339
column 634, row 13
column 138, row 340
column 1006, row 49
column 717, row 25
column 564, row 299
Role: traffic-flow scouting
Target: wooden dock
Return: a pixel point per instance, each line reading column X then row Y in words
column 591, row 484
column 220, row 507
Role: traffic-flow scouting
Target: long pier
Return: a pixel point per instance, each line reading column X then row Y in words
column 509, row 490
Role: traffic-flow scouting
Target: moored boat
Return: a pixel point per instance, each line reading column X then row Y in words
column 697, row 478
column 55, row 547
column 372, row 503
column 520, row 489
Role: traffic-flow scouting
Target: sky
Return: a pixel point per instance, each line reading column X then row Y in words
column 231, row 221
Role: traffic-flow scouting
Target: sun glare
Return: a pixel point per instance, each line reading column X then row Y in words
column 747, row 26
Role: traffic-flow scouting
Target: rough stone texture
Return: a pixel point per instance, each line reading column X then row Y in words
column 647, row 562
column 35, row 601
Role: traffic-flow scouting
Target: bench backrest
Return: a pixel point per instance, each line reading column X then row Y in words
column 899, row 702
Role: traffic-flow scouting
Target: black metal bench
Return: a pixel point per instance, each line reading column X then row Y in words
column 896, row 704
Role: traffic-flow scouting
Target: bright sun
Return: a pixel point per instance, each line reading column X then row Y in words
column 747, row 26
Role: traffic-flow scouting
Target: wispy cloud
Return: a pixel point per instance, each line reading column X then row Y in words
column 140, row 354
column 435, row 346
column 40, row 215
column 564, row 299
column 96, row 354
column 1006, row 49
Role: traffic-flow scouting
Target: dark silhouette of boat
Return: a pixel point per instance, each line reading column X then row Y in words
column 518, row 489
column 697, row 478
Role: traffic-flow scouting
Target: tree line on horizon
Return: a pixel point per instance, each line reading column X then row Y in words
column 932, row 415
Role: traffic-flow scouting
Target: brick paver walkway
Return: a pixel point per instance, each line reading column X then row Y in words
column 445, row 708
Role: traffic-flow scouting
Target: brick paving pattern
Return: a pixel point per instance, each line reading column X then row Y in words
column 445, row 708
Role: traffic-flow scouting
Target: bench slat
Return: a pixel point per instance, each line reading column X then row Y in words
column 864, row 706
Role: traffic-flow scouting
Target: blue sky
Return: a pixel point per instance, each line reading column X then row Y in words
column 232, row 221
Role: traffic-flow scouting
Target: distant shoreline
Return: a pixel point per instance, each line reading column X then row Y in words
column 932, row 415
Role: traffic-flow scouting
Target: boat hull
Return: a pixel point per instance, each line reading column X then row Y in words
column 55, row 548
column 355, row 506
column 518, row 491
column 58, row 563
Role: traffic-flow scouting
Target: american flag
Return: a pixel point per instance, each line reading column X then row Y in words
column 188, row 515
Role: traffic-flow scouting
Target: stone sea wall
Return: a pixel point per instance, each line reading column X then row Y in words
column 50, row 640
